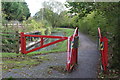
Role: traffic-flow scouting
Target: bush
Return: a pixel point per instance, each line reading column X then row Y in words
column 90, row 23
column 33, row 25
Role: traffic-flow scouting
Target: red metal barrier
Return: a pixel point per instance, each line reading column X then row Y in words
column 103, row 46
column 72, row 50
column 23, row 41
column 104, row 53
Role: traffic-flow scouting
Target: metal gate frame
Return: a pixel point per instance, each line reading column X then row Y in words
column 72, row 46
column 103, row 47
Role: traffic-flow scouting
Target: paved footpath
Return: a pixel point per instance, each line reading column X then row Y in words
column 88, row 59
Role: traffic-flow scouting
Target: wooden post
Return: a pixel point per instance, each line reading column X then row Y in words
column 17, row 42
column 23, row 43
column 41, row 42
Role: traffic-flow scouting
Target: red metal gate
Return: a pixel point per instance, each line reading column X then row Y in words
column 72, row 50
column 103, row 47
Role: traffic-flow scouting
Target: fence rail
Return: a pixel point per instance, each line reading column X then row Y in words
column 10, row 41
column 72, row 50
column 11, row 37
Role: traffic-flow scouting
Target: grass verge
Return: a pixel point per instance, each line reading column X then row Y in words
column 13, row 60
column 61, row 46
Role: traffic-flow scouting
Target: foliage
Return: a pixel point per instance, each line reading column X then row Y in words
column 90, row 16
column 15, row 11
column 80, row 8
column 50, row 13
column 32, row 25
column 10, row 38
column 47, row 15
column 111, row 12
column 61, row 47
column 55, row 6
column 91, row 22
column 65, row 20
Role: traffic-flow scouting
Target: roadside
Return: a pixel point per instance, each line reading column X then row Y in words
column 88, row 59
column 13, row 61
column 53, row 64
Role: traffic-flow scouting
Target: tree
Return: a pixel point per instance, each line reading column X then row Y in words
column 51, row 12
column 15, row 11
column 66, row 19
column 107, row 13
column 80, row 8
column 47, row 14
column 54, row 6
column 112, row 14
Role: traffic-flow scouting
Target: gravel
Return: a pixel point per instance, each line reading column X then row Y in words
column 88, row 59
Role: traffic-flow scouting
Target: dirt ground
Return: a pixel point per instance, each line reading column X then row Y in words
column 54, row 67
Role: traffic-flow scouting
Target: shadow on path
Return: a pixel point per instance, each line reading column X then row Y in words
column 88, row 59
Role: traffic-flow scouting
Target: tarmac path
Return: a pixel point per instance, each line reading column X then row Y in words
column 88, row 59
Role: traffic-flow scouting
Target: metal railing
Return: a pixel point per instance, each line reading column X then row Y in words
column 103, row 47
column 72, row 50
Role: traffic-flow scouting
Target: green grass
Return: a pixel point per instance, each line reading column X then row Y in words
column 61, row 46
column 68, row 32
column 25, row 61
column 12, row 64
column 13, row 60
column 10, row 54
column 6, row 34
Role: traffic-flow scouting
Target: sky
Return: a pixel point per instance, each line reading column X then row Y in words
column 35, row 5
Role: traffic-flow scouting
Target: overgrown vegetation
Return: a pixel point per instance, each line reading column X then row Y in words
column 60, row 47
column 15, row 11
column 21, row 61
column 89, row 16
column 13, row 60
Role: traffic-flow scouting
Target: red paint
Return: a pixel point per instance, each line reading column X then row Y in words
column 104, row 52
column 45, row 36
column 23, row 43
column 71, row 52
column 41, row 41
column 45, row 45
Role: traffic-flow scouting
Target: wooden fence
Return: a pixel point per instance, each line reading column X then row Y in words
column 10, row 38
column 10, row 41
